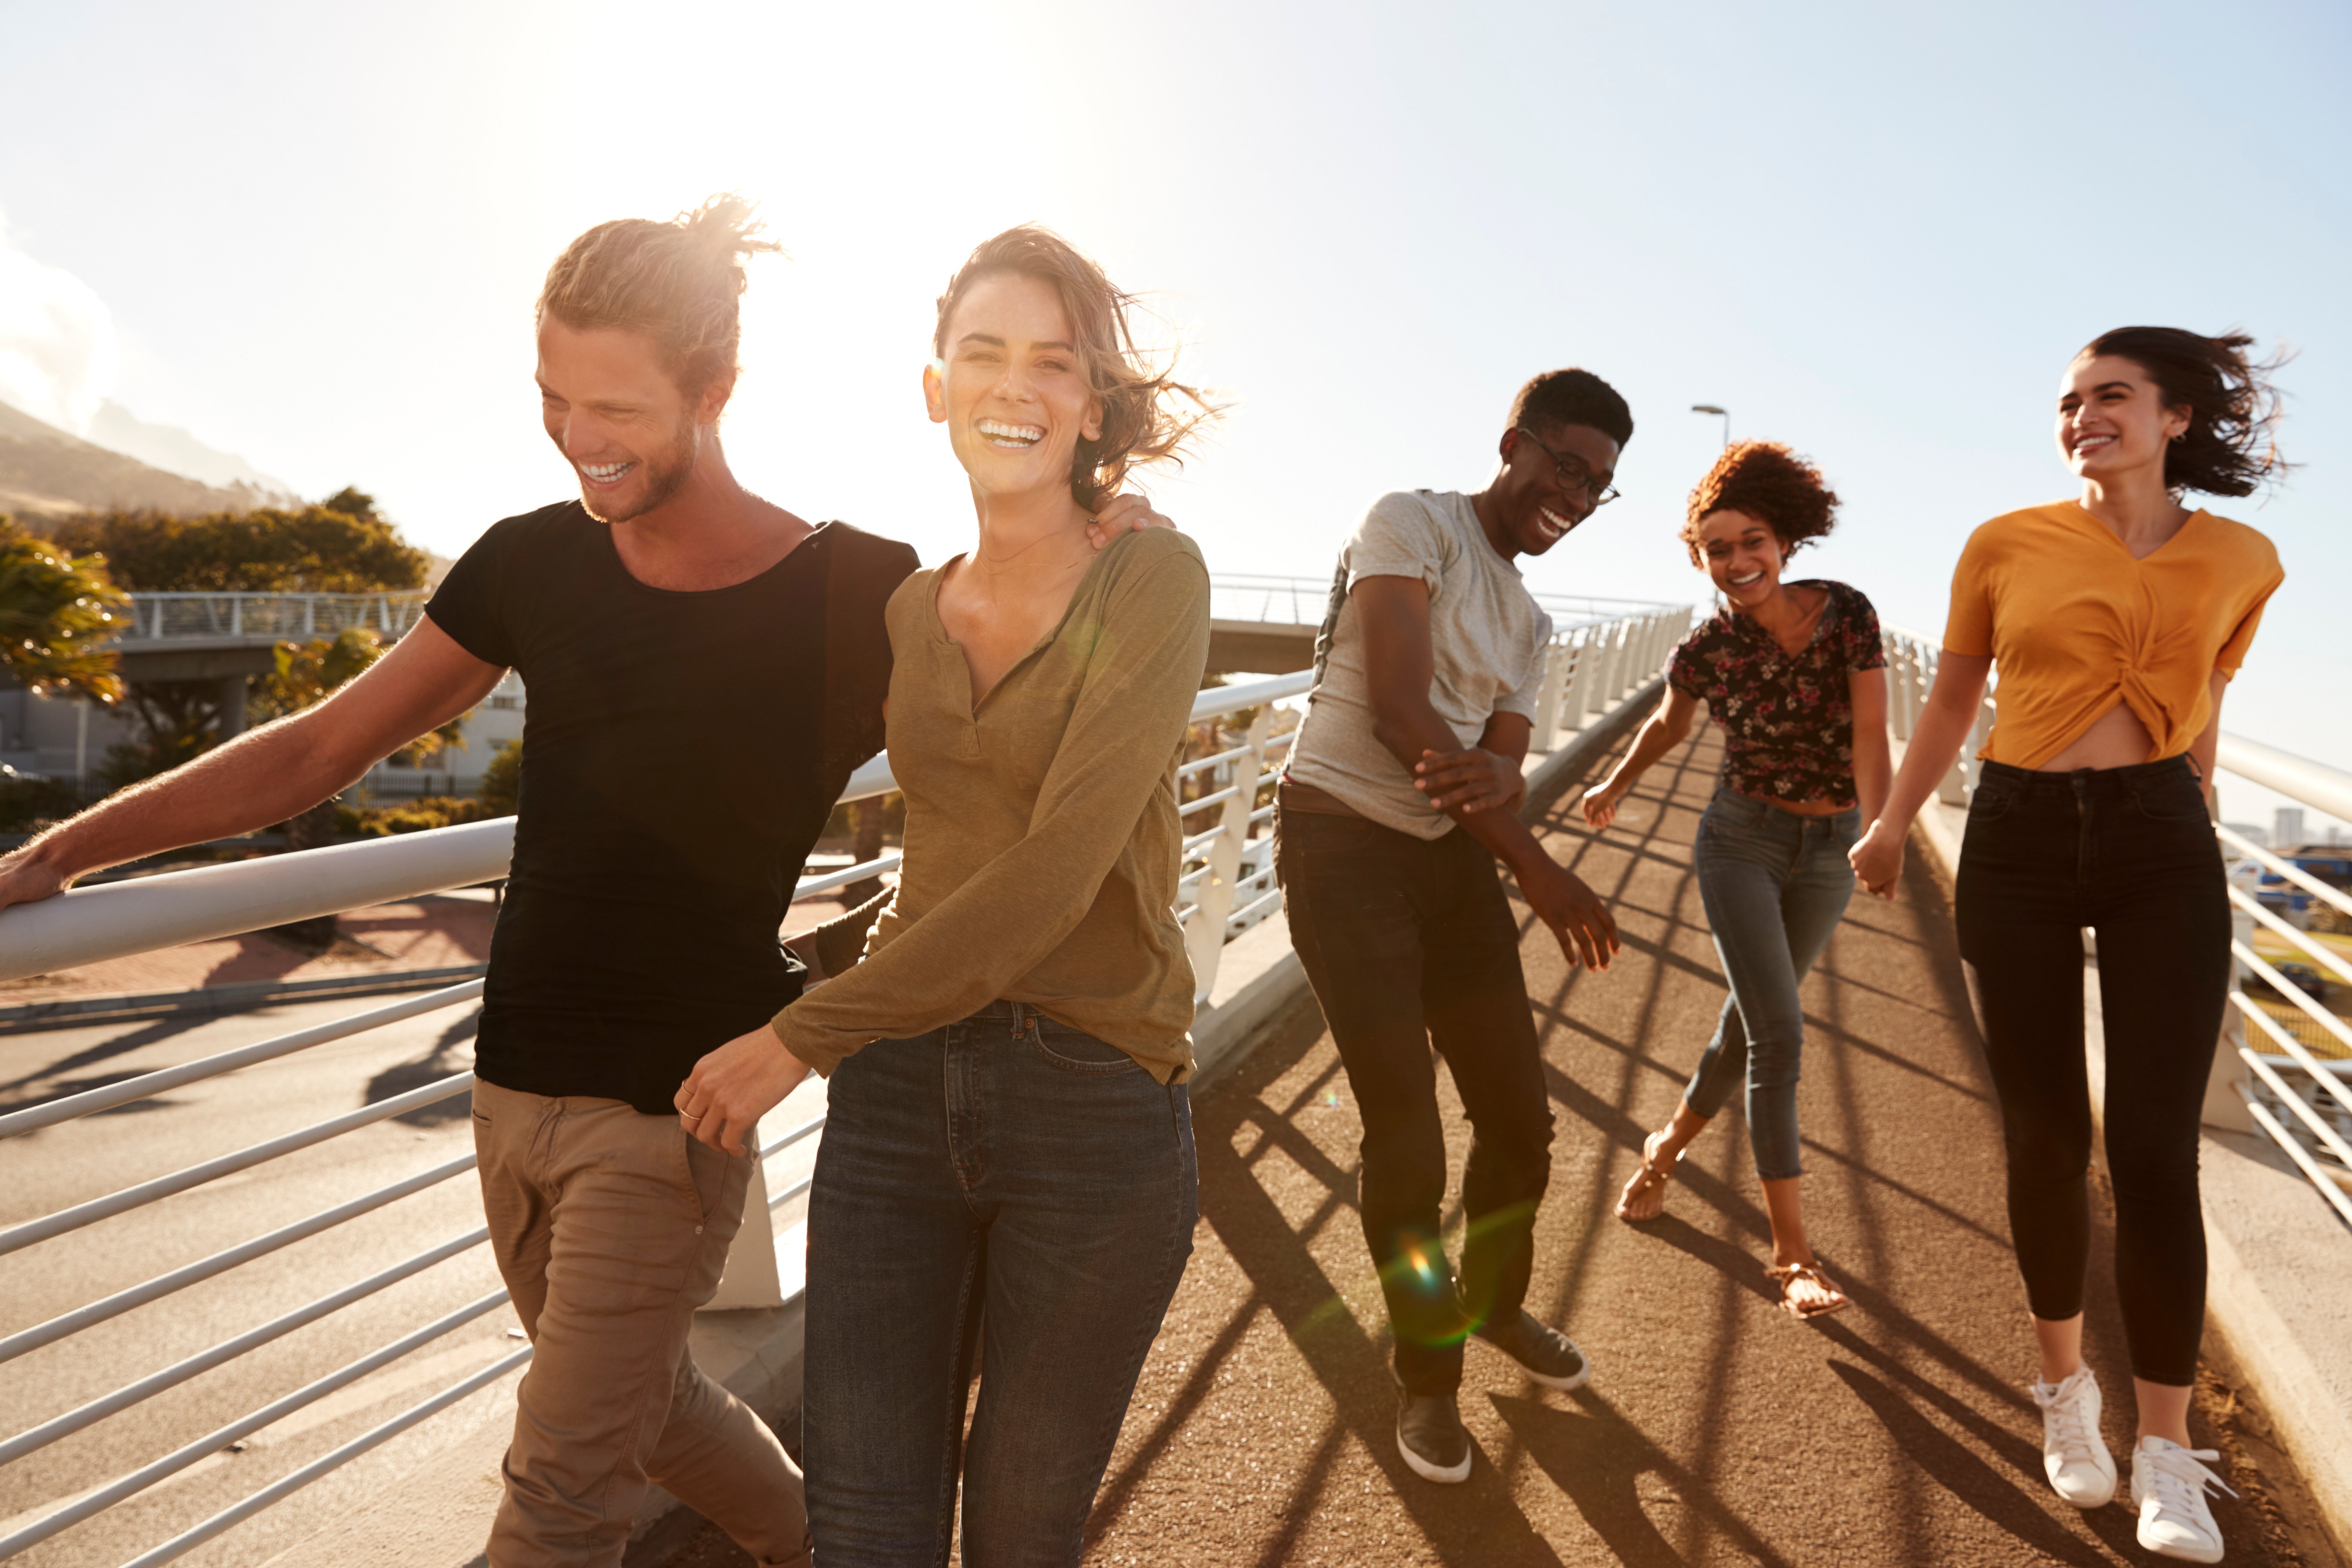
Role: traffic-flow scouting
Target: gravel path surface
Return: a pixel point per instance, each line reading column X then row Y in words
column 1716, row 1430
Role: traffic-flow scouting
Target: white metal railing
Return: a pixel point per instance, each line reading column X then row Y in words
column 266, row 617
column 1279, row 601
column 1227, row 890
column 2287, row 1055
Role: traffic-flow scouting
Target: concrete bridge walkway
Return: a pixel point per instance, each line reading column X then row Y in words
column 1716, row 1429
column 1898, row 1434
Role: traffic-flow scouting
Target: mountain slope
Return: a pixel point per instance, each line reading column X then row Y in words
column 45, row 472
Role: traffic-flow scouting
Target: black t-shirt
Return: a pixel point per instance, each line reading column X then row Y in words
column 681, row 752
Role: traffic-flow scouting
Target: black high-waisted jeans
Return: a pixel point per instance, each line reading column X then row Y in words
column 2130, row 853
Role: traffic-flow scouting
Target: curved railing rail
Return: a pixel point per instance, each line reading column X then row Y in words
column 2286, row 1055
column 1243, row 732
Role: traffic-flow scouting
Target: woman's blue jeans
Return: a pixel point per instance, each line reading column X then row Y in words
column 1006, row 1184
column 1775, row 885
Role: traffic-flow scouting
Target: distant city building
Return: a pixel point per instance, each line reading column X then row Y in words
column 457, row 770
column 2253, row 833
column 2287, row 825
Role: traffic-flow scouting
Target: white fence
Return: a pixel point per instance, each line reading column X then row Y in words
column 2287, row 1057
column 163, row 618
column 1227, row 890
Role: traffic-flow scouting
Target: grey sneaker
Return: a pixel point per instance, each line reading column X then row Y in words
column 1431, row 1436
column 1544, row 1353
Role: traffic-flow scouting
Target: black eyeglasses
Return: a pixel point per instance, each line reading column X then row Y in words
column 1573, row 474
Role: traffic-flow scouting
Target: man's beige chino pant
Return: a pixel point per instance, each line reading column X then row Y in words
column 611, row 1227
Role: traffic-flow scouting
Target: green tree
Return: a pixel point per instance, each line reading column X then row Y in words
column 57, row 614
column 309, row 673
column 501, row 791
column 339, row 545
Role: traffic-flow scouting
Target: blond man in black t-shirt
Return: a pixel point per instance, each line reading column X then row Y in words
column 667, row 613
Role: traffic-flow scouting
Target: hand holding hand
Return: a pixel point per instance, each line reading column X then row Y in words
column 1578, row 919
column 1877, row 859
column 1601, row 806
column 722, row 1100
column 1474, row 779
column 1122, row 514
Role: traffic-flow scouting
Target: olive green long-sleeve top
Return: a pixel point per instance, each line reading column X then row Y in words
column 1042, row 838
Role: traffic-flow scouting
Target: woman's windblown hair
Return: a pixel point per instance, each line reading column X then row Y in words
column 2230, row 448
column 680, row 282
column 1771, row 484
column 1148, row 416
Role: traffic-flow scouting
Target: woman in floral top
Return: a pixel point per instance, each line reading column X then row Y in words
column 1794, row 677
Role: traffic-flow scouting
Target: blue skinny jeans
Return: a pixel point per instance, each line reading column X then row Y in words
column 1775, row 886
column 1009, row 1190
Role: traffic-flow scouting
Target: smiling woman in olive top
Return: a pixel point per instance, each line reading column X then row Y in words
column 2115, row 620
column 1008, row 1157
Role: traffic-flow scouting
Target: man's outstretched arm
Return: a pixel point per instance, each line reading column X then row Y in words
column 265, row 775
column 1398, row 668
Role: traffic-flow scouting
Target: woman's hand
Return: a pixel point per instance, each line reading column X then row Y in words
column 1877, row 859
column 1123, row 514
column 722, row 1100
column 1474, row 779
column 1601, row 805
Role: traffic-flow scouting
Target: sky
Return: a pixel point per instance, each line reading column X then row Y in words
column 312, row 235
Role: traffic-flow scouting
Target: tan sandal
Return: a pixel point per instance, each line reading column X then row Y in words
column 1789, row 1274
column 1652, row 1177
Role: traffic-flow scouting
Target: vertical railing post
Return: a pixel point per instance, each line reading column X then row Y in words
column 1579, row 698
column 2225, row 1105
column 749, row 1277
column 1204, row 935
column 1547, row 696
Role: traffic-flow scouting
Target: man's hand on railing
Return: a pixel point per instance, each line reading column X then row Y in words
column 722, row 1100
column 1473, row 779
column 26, row 876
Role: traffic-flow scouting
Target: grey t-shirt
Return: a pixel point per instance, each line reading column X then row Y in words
column 1487, row 640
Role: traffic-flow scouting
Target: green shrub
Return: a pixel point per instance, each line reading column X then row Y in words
column 501, row 791
column 29, row 805
column 411, row 816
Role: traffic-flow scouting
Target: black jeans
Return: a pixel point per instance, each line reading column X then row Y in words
column 1410, row 942
column 2130, row 853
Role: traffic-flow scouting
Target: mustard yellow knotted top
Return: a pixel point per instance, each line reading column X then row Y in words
column 2075, row 626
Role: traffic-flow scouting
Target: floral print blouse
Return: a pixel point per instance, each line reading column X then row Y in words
column 1786, row 720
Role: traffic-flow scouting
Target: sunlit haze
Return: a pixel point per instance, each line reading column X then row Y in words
column 312, row 235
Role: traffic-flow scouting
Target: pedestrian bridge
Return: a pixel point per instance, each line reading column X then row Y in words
column 237, row 1332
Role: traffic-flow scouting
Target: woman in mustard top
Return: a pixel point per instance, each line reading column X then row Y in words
column 2115, row 620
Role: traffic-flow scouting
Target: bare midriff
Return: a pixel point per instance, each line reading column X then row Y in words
column 1807, row 807
column 2116, row 739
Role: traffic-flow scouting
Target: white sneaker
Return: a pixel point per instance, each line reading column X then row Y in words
column 2073, row 1456
column 2168, row 1487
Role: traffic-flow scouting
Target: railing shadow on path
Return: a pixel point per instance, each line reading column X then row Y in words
column 1716, row 1430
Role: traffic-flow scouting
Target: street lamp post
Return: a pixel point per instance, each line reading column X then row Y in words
column 1723, row 413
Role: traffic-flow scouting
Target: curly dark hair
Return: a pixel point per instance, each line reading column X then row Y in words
column 1148, row 416
column 1572, row 397
column 1767, row 481
column 2228, row 449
